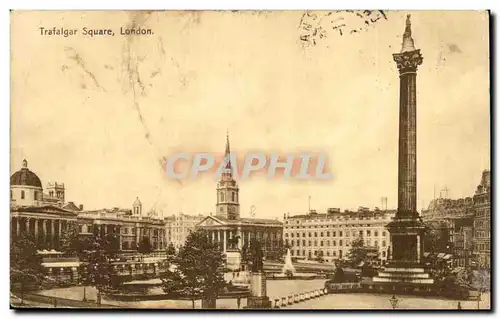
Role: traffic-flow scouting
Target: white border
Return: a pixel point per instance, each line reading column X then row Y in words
column 185, row 4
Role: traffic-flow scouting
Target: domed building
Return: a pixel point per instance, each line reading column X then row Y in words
column 38, row 214
column 25, row 187
column 26, row 190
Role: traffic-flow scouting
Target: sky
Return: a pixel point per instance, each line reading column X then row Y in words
column 101, row 113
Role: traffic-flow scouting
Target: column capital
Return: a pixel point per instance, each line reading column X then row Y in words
column 408, row 61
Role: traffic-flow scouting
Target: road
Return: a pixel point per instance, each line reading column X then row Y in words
column 283, row 288
column 380, row 301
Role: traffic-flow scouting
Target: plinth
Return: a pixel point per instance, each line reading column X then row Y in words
column 233, row 259
column 258, row 298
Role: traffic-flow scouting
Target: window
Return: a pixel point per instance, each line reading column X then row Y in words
column 376, row 243
column 321, row 234
column 233, row 196
column 340, row 243
column 340, row 235
column 383, row 243
column 303, row 242
column 360, row 233
column 22, row 194
column 303, row 234
column 383, row 234
column 291, row 235
column 286, row 234
column 383, row 253
column 309, row 234
column 221, row 197
column 334, row 243
column 334, row 234
column 321, row 243
column 315, row 243
column 309, row 244
column 368, row 233
column 334, row 254
column 327, row 234
column 376, row 233
column 315, row 234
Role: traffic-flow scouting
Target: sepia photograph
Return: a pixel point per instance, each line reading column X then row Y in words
column 241, row 160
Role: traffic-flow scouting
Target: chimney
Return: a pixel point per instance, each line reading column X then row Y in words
column 80, row 206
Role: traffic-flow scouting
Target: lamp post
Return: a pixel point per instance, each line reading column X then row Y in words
column 394, row 302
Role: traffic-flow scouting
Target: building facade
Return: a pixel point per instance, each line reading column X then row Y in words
column 463, row 225
column 450, row 228
column 482, row 221
column 178, row 227
column 229, row 230
column 330, row 235
column 128, row 225
column 46, row 216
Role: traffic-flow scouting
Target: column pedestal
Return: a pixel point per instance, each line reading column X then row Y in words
column 258, row 298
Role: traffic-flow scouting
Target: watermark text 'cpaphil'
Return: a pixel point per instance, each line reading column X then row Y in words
column 301, row 166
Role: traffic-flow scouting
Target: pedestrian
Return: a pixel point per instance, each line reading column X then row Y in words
column 239, row 302
column 459, row 306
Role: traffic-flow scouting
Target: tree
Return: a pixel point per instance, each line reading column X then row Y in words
column 437, row 238
column 110, row 243
column 25, row 264
column 171, row 249
column 319, row 256
column 357, row 253
column 339, row 275
column 479, row 280
column 144, row 246
column 71, row 243
column 198, row 269
column 96, row 269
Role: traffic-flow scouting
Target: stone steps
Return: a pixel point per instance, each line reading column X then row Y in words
column 404, row 280
column 386, row 274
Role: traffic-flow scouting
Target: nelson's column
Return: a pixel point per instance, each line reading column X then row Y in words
column 406, row 229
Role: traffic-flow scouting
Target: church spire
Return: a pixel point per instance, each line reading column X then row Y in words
column 227, row 155
column 408, row 44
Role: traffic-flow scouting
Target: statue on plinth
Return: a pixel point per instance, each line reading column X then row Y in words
column 258, row 298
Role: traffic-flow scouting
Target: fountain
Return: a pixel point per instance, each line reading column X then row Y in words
column 288, row 266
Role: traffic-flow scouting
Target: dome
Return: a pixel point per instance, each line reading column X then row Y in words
column 25, row 177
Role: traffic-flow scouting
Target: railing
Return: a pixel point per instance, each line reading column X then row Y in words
column 298, row 297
